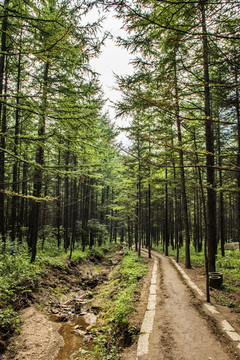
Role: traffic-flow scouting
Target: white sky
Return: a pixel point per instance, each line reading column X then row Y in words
column 112, row 60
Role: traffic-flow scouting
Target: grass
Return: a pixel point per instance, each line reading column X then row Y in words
column 18, row 279
column 117, row 299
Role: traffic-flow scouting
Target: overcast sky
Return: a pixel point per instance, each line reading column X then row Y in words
column 113, row 59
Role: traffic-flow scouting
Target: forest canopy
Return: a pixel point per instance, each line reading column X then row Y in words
column 63, row 179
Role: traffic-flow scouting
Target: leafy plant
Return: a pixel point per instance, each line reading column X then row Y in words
column 8, row 321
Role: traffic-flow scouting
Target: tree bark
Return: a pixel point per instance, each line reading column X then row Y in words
column 209, row 138
column 182, row 174
column 3, row 57
column 38, row 174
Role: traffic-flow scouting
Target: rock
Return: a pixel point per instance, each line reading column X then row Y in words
column 87, row 338
column 232, row 246
column 54, row 311
column 89, row 327
column 80, row 332
column 61, row 318
column 78, row 307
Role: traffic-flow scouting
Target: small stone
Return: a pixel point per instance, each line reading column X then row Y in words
column 54, row 311
column 80, row 332
column 61, row 318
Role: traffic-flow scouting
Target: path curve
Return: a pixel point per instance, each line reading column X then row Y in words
column 178, row 331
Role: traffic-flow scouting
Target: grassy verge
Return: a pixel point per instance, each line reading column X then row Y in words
column 116, row 299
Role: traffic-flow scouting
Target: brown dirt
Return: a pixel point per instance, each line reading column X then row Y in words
column 39, row 338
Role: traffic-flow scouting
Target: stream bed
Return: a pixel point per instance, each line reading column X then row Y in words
column 74, row 329
column 75, row 336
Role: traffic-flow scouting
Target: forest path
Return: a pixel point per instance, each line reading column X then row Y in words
column 178, row 331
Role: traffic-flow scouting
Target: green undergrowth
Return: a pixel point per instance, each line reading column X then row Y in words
column 117, row 300
column 18, row 280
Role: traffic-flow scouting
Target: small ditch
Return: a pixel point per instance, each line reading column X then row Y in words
column 75, row 328
column 76, row 338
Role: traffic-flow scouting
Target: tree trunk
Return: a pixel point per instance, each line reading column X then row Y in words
column 166, row 227
column 38, row 174
column 209, row 136
column 182, row 175
column 3, row 119
column 238, row 155
column 66, row 217
column 15, row 176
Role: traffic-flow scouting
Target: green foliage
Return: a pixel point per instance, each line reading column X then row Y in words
column 95, row 254
column 17, row 276
column 230, row 263
column 52, row 262
column 118, row 303
column 224, row 300
column 132, row 267
column 9, row 321
column 18, row 280
column 124, row 305
column 78, row 255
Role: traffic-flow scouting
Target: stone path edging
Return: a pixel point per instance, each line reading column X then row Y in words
column 147, row 324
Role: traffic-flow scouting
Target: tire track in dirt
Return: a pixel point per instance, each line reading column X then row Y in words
column 179, row 331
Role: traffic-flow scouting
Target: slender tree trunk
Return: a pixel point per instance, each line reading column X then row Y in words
column 166, row 222
column 38, row 174
column 148, row 238
column 205, row 222
column 3, row 66
column 221, row 217
column 15, row 176
column 23, row 221
column 182, row 174
column 66, row 217
column 238, row 155
column 58, row 212
column 211, row 194
column 85, row 215
column 73, row 211
column 148, row 233
column 93, row 216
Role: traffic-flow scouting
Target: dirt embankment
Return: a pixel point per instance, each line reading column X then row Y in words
column 57, row 324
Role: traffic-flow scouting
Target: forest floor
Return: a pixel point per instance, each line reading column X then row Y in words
column 57, row 325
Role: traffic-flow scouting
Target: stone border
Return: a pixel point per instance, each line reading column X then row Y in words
column 147, row 324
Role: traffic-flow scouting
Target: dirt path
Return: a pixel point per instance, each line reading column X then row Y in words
column 179, row 332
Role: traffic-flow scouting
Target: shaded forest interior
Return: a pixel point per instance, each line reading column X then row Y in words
column 63, row 179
